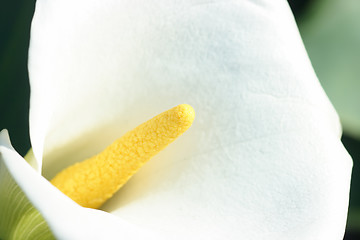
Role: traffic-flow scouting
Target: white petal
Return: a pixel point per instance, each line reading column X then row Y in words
column 66, row 219
column 331, row 37
column 263, row 159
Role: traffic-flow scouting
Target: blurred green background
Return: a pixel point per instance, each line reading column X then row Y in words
column 328, row 32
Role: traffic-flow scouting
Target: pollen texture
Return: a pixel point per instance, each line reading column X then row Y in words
column 91, row 182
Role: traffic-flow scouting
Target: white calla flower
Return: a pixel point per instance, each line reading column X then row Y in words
column 263, row 159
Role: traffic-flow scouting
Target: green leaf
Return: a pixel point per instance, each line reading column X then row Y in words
column 330, row 34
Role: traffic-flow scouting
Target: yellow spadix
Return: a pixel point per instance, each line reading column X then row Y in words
column 91, row 182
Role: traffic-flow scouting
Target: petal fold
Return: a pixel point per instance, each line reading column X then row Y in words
column 18, row 219
column 67, row 220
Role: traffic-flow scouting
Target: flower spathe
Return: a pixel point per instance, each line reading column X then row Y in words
column 263, row 159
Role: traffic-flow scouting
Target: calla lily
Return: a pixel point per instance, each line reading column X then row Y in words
column 263, row 159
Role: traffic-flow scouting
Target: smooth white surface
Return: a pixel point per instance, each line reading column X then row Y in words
column 263, row 159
